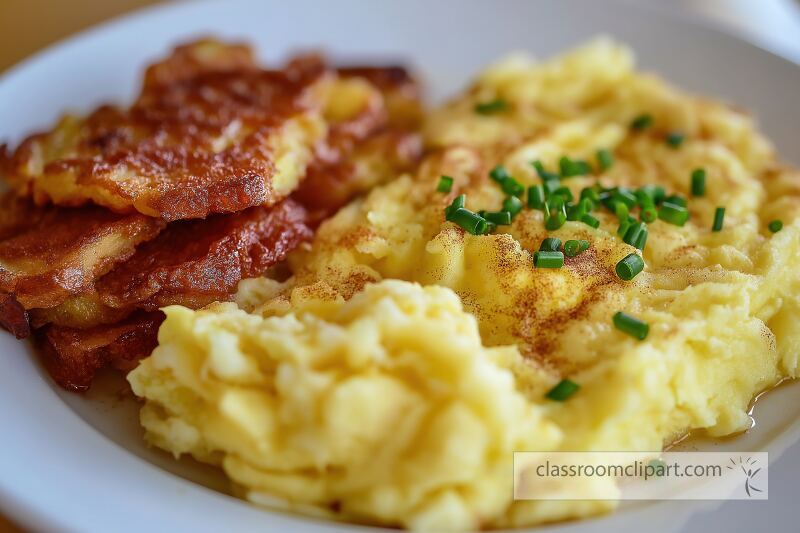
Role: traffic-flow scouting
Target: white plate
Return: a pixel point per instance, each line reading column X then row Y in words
column 78, row 463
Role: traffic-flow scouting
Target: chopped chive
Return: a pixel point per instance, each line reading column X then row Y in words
column 550, row 244
column 624, row 225
column 634, row 233
column 675, row 139
column 498, row 218
column 648, row 214
column 512, row 187
column 551, row 186
column 775, row 226
column 676, row 200
column 621, row 194
column 641, row 241
column 445, row 184
column 565, row 193
column 631, row 325
column 575, row 212
column 656, row 193
column 513, row 205
column 499, row 174
column 642, row 122
column 536, row 197
column 590, row 193
column 719, row 218
column 471, row 222
column 604, row 159
column 621, row 210
column 586, row 205
column 563, row 390
column 589, row 220
column 544, row 174
column 555, row 220
column 544, row 259
column 493, row 106
column 673, row 214
column 629, row 267
column 556, row 203
column 457, row 202
column 570, row 167
column 490, row 227
column 698, row 182
column 575, row 247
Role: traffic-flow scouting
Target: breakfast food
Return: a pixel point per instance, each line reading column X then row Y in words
column 177, row 198
column 628, row 252
column 218, row 141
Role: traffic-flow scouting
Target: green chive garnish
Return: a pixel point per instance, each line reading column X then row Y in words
column 624, row 225
column 648, row 214
column 445, row 184
column 641, row 240
column 471, row 222
column 676, row 200
column 563, row 390
column 555, row 220
column 775, row 226
column 512, row 187
column 551, row 186
column 675, row 139
column 491, row 107
column 536, row 197
column 499, row 218
column 544, row 259
column 550, row 244
column 719, row 218
column 642, row 122
column 621, row 210
column 590, row 193
column 654, row 193
column 575, row 247
column 499, row 174
column 631, row 325
column 565, row 193
column 457, row 202
column 624, row 195
column 513, row 205
column 629, row 267
column 589, row 220
column 673, row 214
column 634, row 233
column 570, row 168
column 698, row 182
column 604, row 159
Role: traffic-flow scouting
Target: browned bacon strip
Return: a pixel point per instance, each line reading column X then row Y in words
column 73, row 356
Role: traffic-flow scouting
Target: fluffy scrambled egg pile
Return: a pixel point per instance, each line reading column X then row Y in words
column 346, row 393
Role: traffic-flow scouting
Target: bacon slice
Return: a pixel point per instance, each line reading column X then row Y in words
column 50, row 254
column 194, row 263
column 215, row 136
column 73, row 356
column 330, row 185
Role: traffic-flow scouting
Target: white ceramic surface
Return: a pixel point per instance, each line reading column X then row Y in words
column 71, row 462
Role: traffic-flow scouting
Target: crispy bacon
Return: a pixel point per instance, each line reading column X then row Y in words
column 201, row 140
column 196, row 262
column 73, row 356
column 329, row 186
column 50, row 254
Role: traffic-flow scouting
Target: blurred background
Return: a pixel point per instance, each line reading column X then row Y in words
column 27, row 26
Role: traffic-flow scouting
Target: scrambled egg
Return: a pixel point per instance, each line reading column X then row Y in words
column 319, row 393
